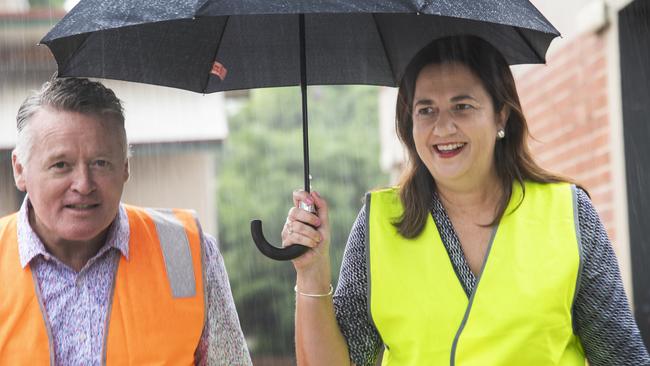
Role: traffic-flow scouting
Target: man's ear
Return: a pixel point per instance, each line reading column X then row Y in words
column 127, row 170
column 19, row 172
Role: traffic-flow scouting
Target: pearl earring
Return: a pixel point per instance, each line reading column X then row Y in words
column 501, row 133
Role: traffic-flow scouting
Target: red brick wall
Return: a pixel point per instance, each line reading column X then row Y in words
column 565, row 103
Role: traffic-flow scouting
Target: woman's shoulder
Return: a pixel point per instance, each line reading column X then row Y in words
column 390, row 190
column 580, row 194
column 385, row 195
column 533, row 183
column 586, row 210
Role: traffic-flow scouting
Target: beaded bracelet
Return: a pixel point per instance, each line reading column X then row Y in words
column 329, row 293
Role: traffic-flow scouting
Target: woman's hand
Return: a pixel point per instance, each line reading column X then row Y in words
column 318, row 338
column 311, row 230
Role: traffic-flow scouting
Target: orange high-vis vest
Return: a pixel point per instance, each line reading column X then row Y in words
column 156, row 312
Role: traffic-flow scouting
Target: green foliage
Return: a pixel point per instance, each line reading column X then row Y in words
column 55, row 4
column 262, row 164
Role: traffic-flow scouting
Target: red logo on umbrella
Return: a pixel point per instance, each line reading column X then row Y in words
column 219, row 70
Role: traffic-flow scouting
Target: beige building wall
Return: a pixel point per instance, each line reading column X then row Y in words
column 14, row 5
column 176, row 179
column 393, row 154
column 8, row 192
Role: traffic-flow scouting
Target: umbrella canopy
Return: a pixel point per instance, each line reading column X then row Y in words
column 255, row 43
column 217, row 45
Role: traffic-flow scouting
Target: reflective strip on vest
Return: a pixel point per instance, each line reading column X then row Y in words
column 176, row 251
column 520, row 312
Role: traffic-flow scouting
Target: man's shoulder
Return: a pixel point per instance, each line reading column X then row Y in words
column 174, row 219
column 8, row 227
column 4, row 220
column 169, row 215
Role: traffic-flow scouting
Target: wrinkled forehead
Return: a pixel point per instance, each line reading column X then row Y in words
column 60, row 118
column 52, row 124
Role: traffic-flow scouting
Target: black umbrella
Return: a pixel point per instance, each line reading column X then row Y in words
column 217, row 45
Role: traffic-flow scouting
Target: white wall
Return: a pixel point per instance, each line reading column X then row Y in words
column 8, row 197
column 392, row 153
column 176, row 179
column 14, row 5
column 153, row 114
column 157, row 114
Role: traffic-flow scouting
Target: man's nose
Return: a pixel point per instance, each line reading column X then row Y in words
column 82, row 180
column 445, row 125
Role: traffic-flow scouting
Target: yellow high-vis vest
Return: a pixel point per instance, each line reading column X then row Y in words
column 156, row 313
column 520, row 312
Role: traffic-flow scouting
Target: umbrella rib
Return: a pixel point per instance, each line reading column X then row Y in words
column 383, row 43
column 530, row 45
column 214, row 57
column 71, row 56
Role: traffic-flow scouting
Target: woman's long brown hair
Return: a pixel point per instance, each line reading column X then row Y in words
column 512, row 156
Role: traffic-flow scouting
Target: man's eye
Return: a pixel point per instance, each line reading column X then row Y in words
column 59, row 165
column 101, row 163
column 463, row 106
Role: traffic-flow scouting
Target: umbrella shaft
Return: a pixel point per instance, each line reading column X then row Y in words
column 303, row 90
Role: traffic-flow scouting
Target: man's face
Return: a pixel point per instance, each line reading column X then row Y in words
column 74, row 176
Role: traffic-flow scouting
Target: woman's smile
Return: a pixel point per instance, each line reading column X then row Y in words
column 449, row 150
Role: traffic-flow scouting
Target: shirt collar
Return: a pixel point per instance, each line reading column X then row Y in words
column 31, row 246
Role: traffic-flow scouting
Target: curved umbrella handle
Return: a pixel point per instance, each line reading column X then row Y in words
column 279, row 254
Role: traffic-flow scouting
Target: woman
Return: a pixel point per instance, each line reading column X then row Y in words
column 479, row 257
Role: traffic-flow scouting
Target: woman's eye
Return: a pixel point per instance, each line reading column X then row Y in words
column 425, row 111
column 463, row 106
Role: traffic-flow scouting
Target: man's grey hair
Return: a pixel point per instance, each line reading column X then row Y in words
column 70, row 95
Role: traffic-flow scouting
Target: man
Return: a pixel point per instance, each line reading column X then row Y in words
column 87, row 280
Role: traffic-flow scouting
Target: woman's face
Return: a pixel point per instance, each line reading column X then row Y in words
column 455, row 125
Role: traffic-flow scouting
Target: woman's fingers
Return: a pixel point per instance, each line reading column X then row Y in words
column 297, row 232
column 298, row 214
column 308, row 229
column 304, row 227
column 301, row 196
column 321, row 207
